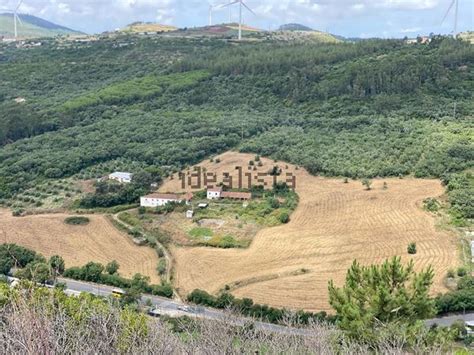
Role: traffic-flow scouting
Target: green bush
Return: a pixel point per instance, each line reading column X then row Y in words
column 462, row 271
column 77, row 220
column 431, row 204
column 411, row 249
column 161, row 267
column 248, row 308
column 284, row 217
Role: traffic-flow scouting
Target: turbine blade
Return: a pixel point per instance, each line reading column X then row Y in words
column 248, row 8
column 449, row 10
column 19, row 19
column 18, row 6
column 229, row 4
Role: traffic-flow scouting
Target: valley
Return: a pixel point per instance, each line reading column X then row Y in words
column 334, row 224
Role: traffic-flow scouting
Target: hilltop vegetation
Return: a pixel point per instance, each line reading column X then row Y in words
column 375, row 108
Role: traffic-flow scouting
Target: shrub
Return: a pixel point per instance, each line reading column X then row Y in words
column 431, row 204
column 112, row 267
column 284, row 217
column 411, row 248
column 77, row 220
column 461, row 272
column 161, row 267
column 17, row 212
column 367, row 183
column 450, row 273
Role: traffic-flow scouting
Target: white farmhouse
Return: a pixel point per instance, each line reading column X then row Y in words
column 157, row 200
column 214, row 194
column 472, row 250
column 121, row 177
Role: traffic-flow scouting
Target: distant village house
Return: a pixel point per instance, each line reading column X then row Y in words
column 214, row 194
column 158, row 200
column 218, row 193
column 121, row 177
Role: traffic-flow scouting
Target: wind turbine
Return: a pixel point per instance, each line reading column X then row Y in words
column 211, row 7
column 241, row 4
column 16, row 18
column 454, row 3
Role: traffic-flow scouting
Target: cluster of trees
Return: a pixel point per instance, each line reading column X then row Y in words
column 34, row 266
column 460, row 189
column 30, row 265
column 459, row 300
column 247, row 307
column 111, row 193
column 108, row 275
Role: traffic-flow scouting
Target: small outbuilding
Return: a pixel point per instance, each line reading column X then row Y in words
column 242, row 196
column 189, row 214
column 214, row 193
column 121, row 177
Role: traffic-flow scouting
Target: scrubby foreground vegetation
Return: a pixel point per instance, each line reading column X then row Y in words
column 43, row 321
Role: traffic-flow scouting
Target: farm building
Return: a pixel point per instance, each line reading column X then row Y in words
column 214, row 194
column 217, row 193
column 472, row 250
column 243, row 196
column 189, row 214
column 121, row 177
column 156, row 200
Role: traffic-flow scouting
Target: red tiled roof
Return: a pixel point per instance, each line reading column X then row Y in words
column 237, row 195
column 215, row 189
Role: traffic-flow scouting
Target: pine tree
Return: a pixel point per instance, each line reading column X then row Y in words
column 381, row 294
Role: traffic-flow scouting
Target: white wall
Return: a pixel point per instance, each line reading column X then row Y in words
column 154, row 202
column 212, row 195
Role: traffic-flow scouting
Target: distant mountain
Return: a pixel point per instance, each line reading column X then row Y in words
column 32, row 27
column 294, row 27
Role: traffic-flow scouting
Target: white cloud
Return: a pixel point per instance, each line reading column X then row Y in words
column 347, row 17
column 410, row 30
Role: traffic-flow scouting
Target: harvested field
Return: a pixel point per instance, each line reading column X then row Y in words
column 98, row 241
column 334, row 224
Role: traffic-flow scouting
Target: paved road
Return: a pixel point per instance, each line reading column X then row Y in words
column 166, row 306
column 449, row 320
column 170, row 307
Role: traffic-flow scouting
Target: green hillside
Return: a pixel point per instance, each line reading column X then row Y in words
column 373, row 108
column 31, row 27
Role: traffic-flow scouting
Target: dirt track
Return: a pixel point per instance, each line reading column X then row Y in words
column 334, row 224
column 99, row 242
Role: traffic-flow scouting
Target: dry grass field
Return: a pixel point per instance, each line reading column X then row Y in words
column 334, row 224
column 98, row 241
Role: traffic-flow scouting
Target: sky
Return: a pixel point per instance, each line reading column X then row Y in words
column 349, row 18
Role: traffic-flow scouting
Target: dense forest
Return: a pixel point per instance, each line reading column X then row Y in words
column 365, row 109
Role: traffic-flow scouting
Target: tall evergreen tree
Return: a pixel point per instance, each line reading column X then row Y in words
column 380, row 294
